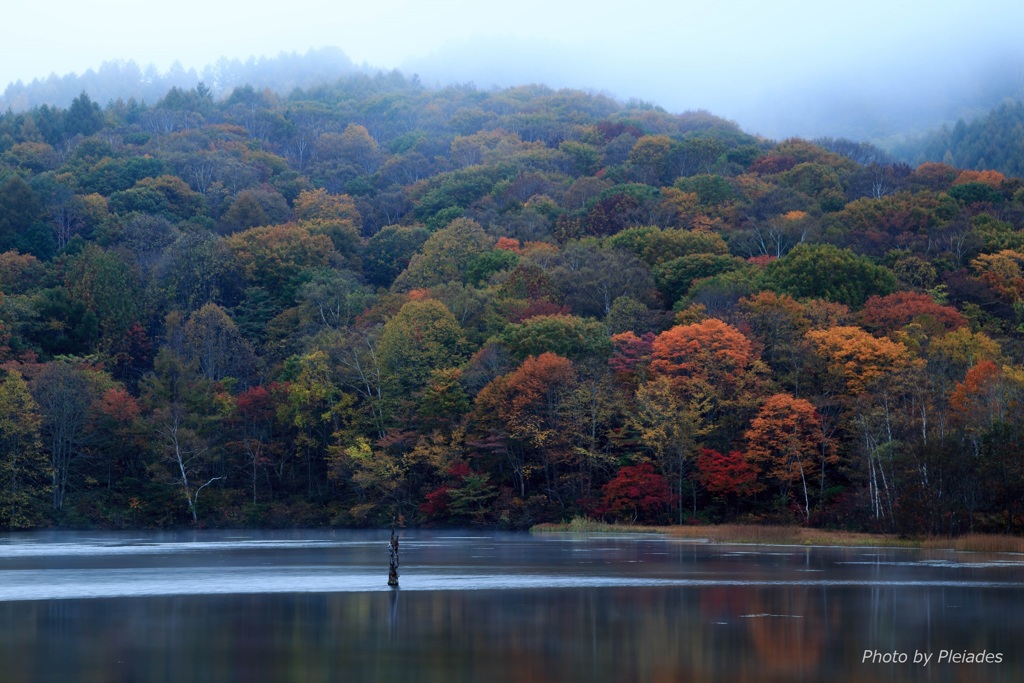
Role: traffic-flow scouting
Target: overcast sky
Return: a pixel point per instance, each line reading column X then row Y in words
column 729, row 56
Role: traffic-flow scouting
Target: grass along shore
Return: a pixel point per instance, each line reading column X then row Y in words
column 792, row 535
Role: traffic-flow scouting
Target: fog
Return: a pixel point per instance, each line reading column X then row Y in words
column 871, row 69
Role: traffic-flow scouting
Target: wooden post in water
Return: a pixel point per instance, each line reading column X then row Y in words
column 393, row 558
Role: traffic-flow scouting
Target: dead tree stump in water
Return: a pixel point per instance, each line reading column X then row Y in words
column 393, row 559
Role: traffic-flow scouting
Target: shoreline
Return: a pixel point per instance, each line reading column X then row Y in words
column 793, row 535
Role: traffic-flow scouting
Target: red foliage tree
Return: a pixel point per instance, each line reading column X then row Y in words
column 631, row 357
column 726, row 474
column 889, row 313
column 637, row 492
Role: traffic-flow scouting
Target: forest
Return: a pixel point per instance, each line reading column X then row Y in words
column 374, row 300
column 994, row 142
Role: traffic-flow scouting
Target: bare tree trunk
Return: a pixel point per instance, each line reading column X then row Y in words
column 183, row 455
column 807, row 502
column 393, row 559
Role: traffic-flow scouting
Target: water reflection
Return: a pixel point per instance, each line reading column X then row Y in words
column 731, row 615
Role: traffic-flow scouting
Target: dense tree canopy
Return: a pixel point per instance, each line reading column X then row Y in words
column 371, row 299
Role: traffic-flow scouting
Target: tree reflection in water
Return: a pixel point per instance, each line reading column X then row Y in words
column 493, row 607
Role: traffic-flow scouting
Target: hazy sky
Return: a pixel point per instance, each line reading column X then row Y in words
column 724, row 55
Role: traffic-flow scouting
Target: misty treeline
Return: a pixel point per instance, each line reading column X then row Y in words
column 497, row 308
column 994, row 141
column 127, row 80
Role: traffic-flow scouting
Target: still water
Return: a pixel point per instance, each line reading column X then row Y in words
column 315, row 606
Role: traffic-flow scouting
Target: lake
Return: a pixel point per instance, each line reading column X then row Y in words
column 487, row 606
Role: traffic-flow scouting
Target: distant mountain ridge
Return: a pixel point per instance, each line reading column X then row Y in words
column 888, row 112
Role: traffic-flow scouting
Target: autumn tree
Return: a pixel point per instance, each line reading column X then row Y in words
column 859, row 359
column 354, row 353
column 988, row 396
column 320, row 206
column 873, row 375
column 711, row 352
column 528, row 406
column 779, row 323
column 333, row 215
column 637, row 492
column 466, row 496
column 357, row 145
column 213, row 341
column 446, row 256
column 672, row 427
column 19, row 272
column 118, row 437
column 785, row 440
column 894, row 311
column 631, row 357
column 254, row 413
column 24, row 470
column 725, row 474
column 319, row 411
column 650, row 159
column 1004, row 272
column 379, row 476
column 422, row 337
column 275, row 257
column 244, row 213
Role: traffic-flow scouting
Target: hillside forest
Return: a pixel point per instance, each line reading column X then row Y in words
column 457, row 306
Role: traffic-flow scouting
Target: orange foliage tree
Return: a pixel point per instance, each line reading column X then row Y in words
column 1003, row 272
column 991, row 178
column 875, row 376
column 857, row 357
column 785, row 440
column 704, row 379
column 527, row 405
column 988, row 396
column 710, row 351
